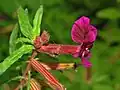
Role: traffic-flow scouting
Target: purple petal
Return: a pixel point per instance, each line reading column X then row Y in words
column 82, row 31
column 86, row 63
column 84, row 23
column 77, row 35
column 92, row 28
column 80, row 27
column 91, row 36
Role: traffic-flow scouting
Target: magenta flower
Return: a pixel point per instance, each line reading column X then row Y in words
column 84, row 34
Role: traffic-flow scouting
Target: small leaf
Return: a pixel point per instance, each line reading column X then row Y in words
column 23, row 40
column 109, row 13
column 13, row 38
column 25, row 25
column 37, row 22
column 14, row 57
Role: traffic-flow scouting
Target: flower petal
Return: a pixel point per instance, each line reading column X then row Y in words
column 80, row 29
column 86, row 63
column 91, row 36
column 92, row 28
column 77, row 34
column 84, row 23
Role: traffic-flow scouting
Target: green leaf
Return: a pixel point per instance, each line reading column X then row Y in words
column 25, row 25
column 14, row 57
column 37, row 22
column 13, row 38
column 109, row 13
column 23, row 40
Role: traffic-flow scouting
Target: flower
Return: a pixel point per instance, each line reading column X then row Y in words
column 84, row 34
column 47, row 75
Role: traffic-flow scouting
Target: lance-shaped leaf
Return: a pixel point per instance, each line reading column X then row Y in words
column 25, row 25
column 14, row 57
column 37, row 22
column 13, row 38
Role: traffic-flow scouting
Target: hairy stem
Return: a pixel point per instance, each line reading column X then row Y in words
column 59, row 49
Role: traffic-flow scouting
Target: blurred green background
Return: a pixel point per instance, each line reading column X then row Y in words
column 59, row 15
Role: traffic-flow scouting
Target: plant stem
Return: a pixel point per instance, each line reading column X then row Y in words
column 59, row 49
column 22, row 82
